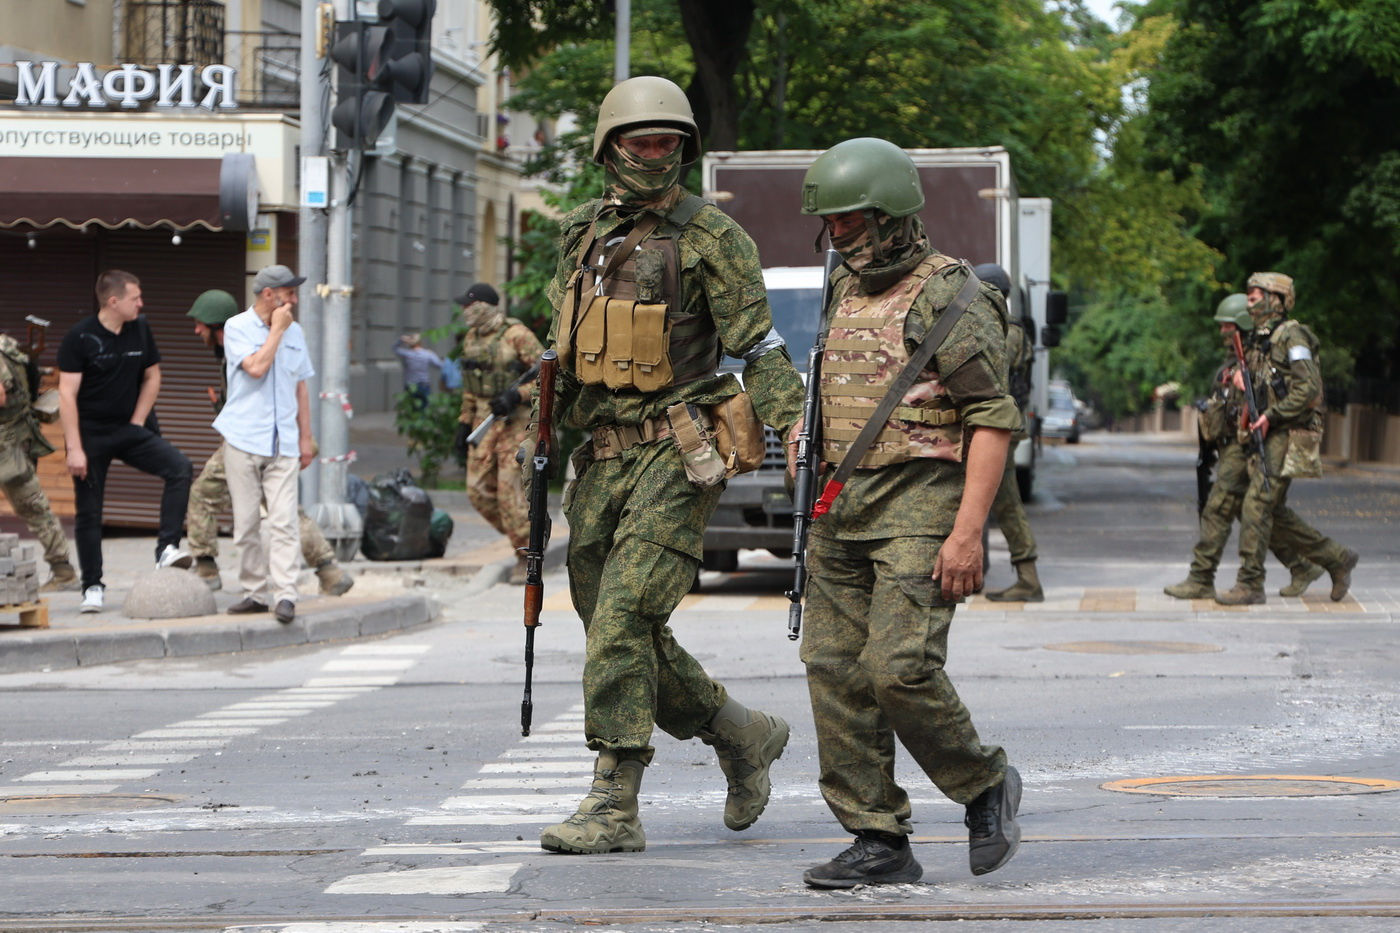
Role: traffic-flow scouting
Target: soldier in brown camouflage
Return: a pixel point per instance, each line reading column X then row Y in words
column 902, row 542
column 20, row 447
column 209, row 496
column 653, row 285
column 1282, row 360
column 495, row 352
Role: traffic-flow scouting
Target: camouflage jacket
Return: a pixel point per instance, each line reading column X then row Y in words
column 921, row 497
column 1283, row 364
column 720, row 276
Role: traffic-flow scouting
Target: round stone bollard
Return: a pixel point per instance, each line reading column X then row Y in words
column 168, row 593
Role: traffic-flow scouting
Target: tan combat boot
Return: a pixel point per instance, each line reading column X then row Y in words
column 1240, row 595
column 334, row 581
column 1193, row 587
column 62, row 576
column 207, row 569
column 1341, row 575
column 607, row 819
column 1303, row 576
column 747, row 743
column 1026, row 589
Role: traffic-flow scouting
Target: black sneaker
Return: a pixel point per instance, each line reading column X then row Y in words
column 992, row 831
column 870, row 861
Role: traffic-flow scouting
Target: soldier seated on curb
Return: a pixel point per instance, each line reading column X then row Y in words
column 209, row 494
column 21, row 445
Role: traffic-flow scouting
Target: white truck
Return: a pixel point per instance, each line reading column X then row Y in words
column 971, row 211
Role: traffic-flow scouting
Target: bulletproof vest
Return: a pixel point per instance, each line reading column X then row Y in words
column 1269, row 364
column 865, row 351
column 489, row 364
column 626, row 320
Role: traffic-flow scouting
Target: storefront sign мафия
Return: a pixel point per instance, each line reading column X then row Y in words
column 127, row 86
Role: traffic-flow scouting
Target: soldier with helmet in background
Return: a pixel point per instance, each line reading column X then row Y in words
column 653, row 286
column 1218, row 424
column 901, row 544
column 209, row 495
column 496, row 352
column 1007, row 509
column 1282, row 361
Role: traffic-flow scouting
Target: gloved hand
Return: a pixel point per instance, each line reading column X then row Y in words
column 505, row 403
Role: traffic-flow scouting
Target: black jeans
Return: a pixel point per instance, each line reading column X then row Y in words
column 148, row 452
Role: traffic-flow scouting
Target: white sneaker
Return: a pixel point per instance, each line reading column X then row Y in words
column 92, row 599
column 171, row 556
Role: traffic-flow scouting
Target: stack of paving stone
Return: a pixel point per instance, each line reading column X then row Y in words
column 19, row 572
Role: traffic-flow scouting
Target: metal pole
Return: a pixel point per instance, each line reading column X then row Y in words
column 622, row 48
column 311, row 227
column 335, row 350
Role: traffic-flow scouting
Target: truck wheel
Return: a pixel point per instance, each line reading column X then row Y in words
column 721, row 561
column 1025, row 481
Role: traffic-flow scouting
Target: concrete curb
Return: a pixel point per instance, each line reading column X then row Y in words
column 53, row 649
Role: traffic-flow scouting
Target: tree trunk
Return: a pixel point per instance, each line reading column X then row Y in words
column 718, row 31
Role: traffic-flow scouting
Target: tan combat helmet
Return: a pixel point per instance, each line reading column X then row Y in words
column 1276, row 283
column 647, row 101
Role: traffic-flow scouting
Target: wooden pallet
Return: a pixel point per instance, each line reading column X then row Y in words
column 31, row 615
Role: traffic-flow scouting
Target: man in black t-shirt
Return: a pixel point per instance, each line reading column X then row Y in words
column 109, row 377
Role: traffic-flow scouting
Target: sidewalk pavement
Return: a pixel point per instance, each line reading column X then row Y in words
column 387, row 595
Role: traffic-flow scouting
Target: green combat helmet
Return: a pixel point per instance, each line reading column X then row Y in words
column 1276, row 283
column 1234, row 309
column 647, row 101
column 859, row 174
column 213, row 308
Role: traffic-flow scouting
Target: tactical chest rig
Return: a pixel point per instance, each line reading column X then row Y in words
column 865, row 352
column 625, row 325
column 489, row 364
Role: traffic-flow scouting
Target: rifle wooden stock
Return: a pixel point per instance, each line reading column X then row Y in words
column 539, row 524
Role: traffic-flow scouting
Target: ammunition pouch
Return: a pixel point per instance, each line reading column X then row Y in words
column 738, row 435
column 1303, row 459
column 623, row 344
column 1212, row 421
column 691, row 429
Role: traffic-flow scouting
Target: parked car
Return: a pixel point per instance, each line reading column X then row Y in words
column 1061, row 418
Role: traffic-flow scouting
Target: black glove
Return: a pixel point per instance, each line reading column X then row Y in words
column 459, row 443
column 505, row 403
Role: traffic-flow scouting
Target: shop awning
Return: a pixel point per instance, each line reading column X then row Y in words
column 76, row 192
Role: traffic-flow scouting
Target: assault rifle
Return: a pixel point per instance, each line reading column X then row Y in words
column 480, row 430
column 804, row 493
column 1251, row 411
column 539, row 525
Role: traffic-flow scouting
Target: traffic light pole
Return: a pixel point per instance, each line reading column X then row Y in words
column 311, row 222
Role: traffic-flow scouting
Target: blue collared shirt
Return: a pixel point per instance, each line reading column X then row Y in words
column 260, row 416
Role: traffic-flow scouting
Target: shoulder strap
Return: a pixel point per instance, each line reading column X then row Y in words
column 685, row 211
column 931, row 342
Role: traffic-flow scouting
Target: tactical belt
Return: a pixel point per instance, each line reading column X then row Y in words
column 611, row 440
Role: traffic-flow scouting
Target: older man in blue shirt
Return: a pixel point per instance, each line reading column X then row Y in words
column 266, row 425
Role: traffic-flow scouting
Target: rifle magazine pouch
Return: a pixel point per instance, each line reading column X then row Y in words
column 589, row 341
column 703, row 466
column 1212, row 420
column 738, row 435
column 1304, row 457
column 617, row 374
column 650, row 357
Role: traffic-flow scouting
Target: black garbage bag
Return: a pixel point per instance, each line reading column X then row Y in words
column 398, row 519
column 440, row 531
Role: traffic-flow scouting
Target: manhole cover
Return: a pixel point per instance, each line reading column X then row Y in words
column 81, row 803
column 1135, row 647
column 1255, row 785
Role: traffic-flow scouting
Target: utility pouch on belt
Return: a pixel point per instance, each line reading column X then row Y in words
column 1304, row 457
column 738, row 435
column 1212, row 420
column 703, row 465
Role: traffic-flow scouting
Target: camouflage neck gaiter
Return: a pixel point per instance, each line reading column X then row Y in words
column 880, row 263
column 638, row 183
column 483, row 318
column 1268, row 311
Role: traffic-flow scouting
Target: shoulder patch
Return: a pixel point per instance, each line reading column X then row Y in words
column 1299, row 352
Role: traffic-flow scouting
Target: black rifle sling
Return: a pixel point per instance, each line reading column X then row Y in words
column 931, row 342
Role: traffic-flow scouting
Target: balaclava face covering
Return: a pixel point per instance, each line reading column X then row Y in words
column 636, row 182
column 880, row 260
column 482, row 317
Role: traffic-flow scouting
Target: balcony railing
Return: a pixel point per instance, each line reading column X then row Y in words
column 269, row 68
column 176, row 32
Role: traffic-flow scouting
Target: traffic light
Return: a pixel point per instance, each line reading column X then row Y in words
column 381, row 63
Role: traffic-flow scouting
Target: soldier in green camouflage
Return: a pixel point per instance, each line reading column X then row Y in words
column 1282, row 360
column 1218, row 425
column 653, row 285
column 495, row 352
column 209, row 497
column 21, row 445
column 902, row 542
column 1007, row 508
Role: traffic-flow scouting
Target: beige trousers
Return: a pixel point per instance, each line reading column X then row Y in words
column 252, row 481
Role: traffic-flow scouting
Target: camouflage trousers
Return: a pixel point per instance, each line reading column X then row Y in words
column 29, row 502
column 1265, row 515
column 1223, row 509
column 209, row 499
column 635, row 530
column 875, row 644
column 1010, row 514
column 493, row 481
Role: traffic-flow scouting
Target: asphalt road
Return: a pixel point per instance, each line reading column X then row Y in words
column 384, row 785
